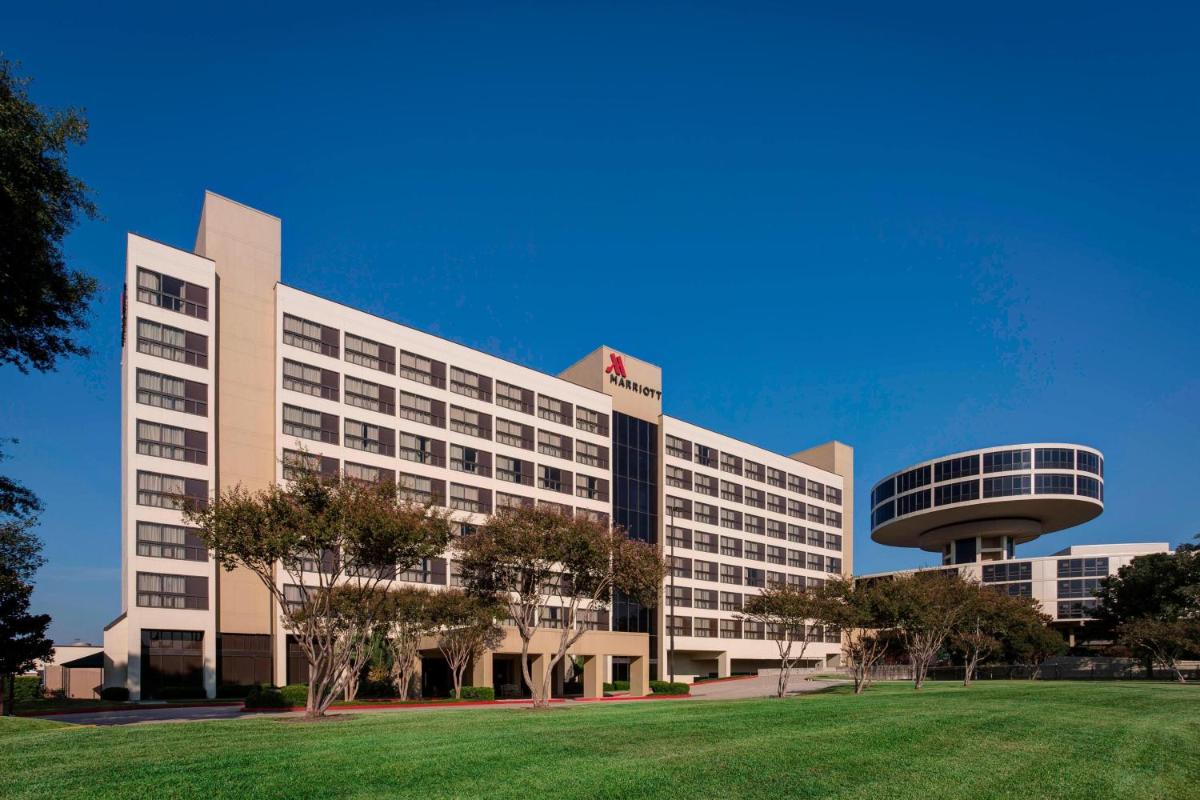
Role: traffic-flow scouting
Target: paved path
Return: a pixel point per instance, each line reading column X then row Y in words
column 758, row 686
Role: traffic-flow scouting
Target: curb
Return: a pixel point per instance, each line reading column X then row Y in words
column 120, row 709
column 395, row 706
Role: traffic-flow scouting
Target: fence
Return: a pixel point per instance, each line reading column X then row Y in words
column 1057, row 670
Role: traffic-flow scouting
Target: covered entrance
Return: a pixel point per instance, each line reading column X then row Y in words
column 172, row 660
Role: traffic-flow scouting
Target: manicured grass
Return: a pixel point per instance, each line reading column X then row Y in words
column 994, row 740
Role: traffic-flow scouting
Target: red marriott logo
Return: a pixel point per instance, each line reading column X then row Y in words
column 615, row 366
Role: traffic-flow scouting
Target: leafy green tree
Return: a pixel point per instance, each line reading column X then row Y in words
column 22, row 636
column 20, row 548
column 1165, row 642
column 409, row 616
column 785, row 611
column 861, row 611
column 322, row 548
column 993, row 623
column 45, row 301
column 466, row 629
column 548, row 567
column 926, row 607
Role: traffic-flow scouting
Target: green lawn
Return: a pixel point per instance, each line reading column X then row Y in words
column 1013, row 740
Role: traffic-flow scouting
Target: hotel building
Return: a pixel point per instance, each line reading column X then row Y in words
column 973, row 508
column 228, row 375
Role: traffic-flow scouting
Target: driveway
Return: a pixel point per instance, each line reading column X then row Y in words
column 757, row 686
column 151, row 714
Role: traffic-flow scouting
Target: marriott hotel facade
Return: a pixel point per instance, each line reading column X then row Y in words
column 227, row 374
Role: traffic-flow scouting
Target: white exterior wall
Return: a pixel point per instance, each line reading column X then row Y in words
column 194, row 269
column 699, row 653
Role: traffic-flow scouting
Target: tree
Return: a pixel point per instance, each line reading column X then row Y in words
column 858, row 609
column 1162, row 587
column 409, row 615
column 45, row 302
column 22, row 636
column 20, row 549
column 1164, row 642
column 926, row 607
column 784, row 611
column 322, row 534
column 466, row 630
column 547, row 567
column 992, row 623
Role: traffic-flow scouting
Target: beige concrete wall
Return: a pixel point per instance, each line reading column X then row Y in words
column 837, row 458
column 246, row 246
column 639, row 394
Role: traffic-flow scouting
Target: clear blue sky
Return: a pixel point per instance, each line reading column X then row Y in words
column 916, row 230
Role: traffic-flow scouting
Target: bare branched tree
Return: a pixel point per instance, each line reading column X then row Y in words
column 858, row 610
column 784, row 611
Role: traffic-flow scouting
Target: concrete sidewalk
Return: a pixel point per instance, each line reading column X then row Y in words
column 757, row 686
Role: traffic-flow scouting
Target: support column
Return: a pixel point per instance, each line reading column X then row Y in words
column 639, row 676
column 481, row 670
column 723, row 670
column 593, row 676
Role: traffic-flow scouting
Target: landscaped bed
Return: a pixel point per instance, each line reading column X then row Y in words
column 994, row 740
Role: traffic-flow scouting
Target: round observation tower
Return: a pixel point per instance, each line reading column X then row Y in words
column 979, row 504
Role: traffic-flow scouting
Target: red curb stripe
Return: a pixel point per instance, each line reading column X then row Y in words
column 103, row 710
column 369, row 706
column 626, row 699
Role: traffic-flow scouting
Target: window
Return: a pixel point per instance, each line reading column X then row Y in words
column 505, row 500
column 883, row 491
column 731, row 519
column 294, row 598
column 833, row 541
column 305, row 424
column 1053, row 483
column 910, row 503
column 371, row 438
column 295, row 463
column 795, row 484
column 833, row 518
column 731, row 491
column 731, row 573
column 470, row 459
column 731, row 629
column 1087, row 461
column 368, row 475
column 731, row 601
column 172, row 591
column 816, row 537
column 174, row 394
column 311, row 336
column 514, row 434
column 816, row 562
column 704, row 628
column 833, row 564
column 754, row 471
column 1076, row 609
column 1088, row 487
column 705, row 513
column 421, row 489
column 172, row 294
column 1083, row 567
column 422, row 409
column 680, row 448
column 591, row 488
column 884, row 513
column 704, row 542
column 795, row 558
column 169, row 491
column 704, row 570
column 470, row 498
column 959, row 492
column 554, row 410
column 777, row 503
column 953, row 468
column 705, row 599
column 755, row 524
column 427, row 570
column 514, row 397
column 514, row 470
column 833, row 495
column 754, row 550
column 174, row 344
column 752, row 629
column 756, row 577
column 470, row 384
column 1078, row 588
column 731, row 463
column 755, row 497
column 679, row 537
column 678, row 507
column 906, row 481
column 591, row 421
column 776, row 555
column 594, row 455
column 370, row 396
column 422, row 370
column 554, row 479
column 472, row 423
column 705, row 484
column 776, row 478
column 1006, row 486
column 680, row 567
column 706, row 455
column 1006, row 461
column 679, row 626
column 731, row 546
column 552, row 444
column 796, row 509
column 1054, row 458
column 314, row 381
column 776, row 580
column 168, row 441
column 795, row 533
column 1013, row 589
column 158, row 540
column 678, row 477
column 679, row 596
column 370, row 354
column 422, row 449
column 816, row 490
column 776, row 529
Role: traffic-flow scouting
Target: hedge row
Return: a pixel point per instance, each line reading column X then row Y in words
column 617, row 686
column 666, row 687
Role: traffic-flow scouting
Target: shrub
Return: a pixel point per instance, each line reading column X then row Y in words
column 181, row 693
column 478, row 693
column 370, row 689
column 27, row 687
column 617, row 686
column 666, row 687
column 265, row 697
column 114, row 693
column 233, row 690
column 296, row 694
